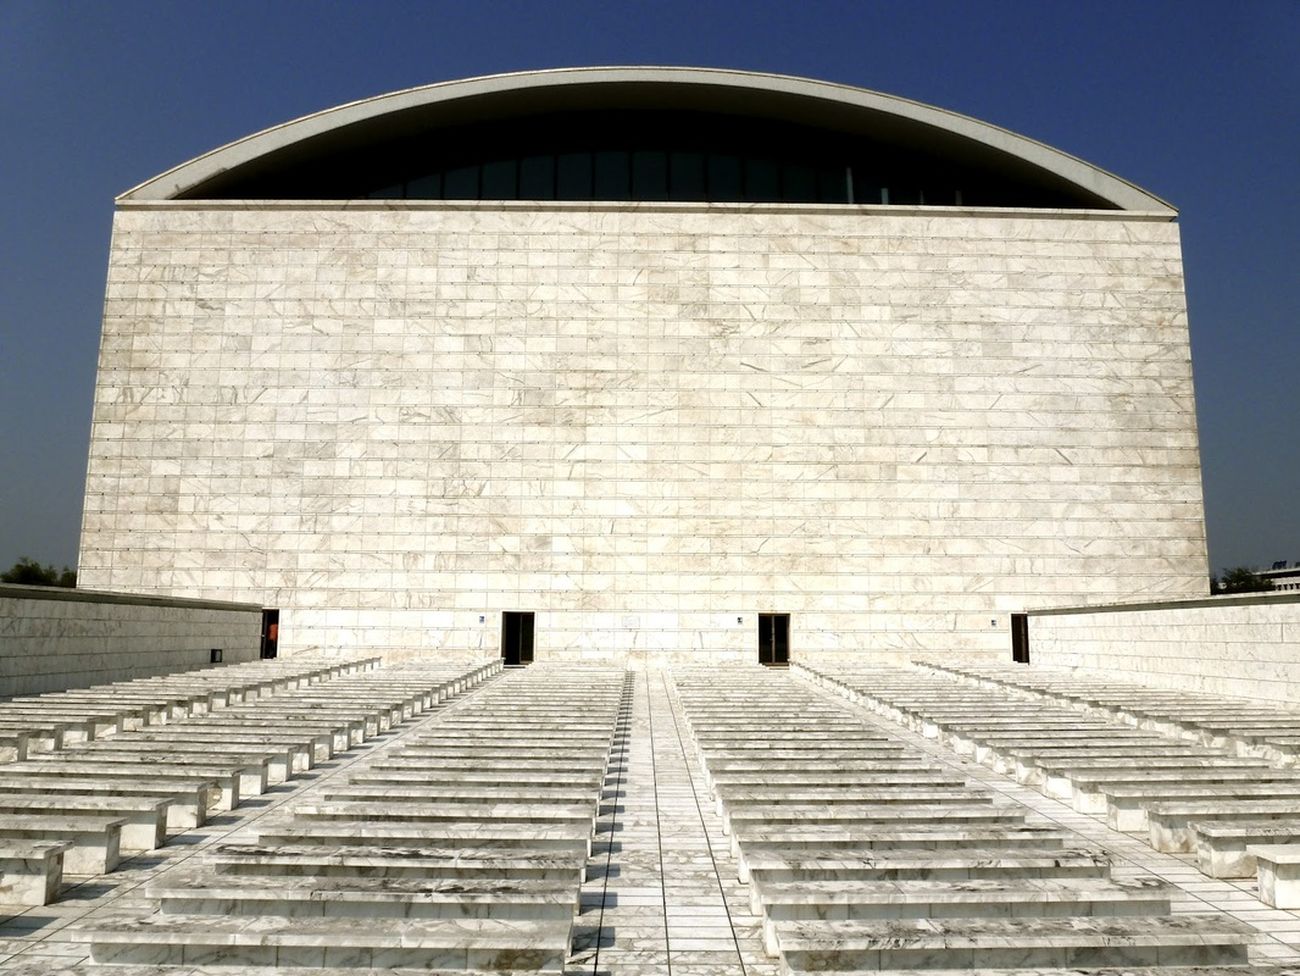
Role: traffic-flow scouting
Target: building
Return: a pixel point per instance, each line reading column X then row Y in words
column 1282, row 576
column 679, row 361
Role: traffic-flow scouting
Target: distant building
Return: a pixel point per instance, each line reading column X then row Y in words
column 664, row 361
column 1281, row 576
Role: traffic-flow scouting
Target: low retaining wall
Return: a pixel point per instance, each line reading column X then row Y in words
column 1245, row 646
column 52, row 639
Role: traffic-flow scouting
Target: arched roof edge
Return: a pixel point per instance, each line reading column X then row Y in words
column 179, row 179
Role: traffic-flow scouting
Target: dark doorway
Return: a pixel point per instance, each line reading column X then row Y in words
column 270, row 632
column 516, row 638
column 774, row 639
column 1020, row 638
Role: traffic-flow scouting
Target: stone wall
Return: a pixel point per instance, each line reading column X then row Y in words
column 1247, row 646
column 647, row 423
column 52, row 639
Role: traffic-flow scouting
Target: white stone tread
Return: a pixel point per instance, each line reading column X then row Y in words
column 196, row 931
column 428, row 858
column 943, row 934
column 1044, row 891
column 926, row 859
column 366, row 835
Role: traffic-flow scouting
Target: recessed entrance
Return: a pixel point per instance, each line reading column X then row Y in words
column 516, row 638
column 270, row 632
column 1020, row 638
column 774, row 639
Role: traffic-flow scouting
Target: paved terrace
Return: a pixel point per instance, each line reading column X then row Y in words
column 661, row 893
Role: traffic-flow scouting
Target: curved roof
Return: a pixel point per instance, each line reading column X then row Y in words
column 762, row 98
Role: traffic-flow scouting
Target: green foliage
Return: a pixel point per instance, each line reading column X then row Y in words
column 1239, row 579
column 28, row 572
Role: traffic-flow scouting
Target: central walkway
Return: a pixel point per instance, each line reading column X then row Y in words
column 667, row 899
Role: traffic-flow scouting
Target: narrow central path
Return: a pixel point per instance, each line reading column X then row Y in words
column 665, row 899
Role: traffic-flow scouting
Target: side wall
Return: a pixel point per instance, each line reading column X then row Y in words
column 51, row 639
column 647, row 423
column 1246, row 646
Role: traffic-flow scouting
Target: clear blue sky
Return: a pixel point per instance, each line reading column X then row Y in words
column 1195, row 100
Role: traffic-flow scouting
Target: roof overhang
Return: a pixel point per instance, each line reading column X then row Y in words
column 779, row 97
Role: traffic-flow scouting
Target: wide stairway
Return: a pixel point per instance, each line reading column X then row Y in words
column 865, row 854
column 459, row 846
column 113, row 771
column 459, row 818
column 1188, row 775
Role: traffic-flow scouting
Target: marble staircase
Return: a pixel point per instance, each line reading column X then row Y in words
column 1182, row 791
column 183, row 748
column 862, row 875
column 400, row 863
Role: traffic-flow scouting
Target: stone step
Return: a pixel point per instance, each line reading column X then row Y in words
column 436, row 896
column 461, row 793
column 191, row 799
column 504, row 765
column 149, row 710
column 465, row 862
column 984, row 899
column 31, row 872
column 1126, row 807
column 323, row 712
column 552, row 838
column 252, row 772
column 13, row 746
column 1222, row 846
column 786, row 750
column 736, row 797
column 144, row 819
column 463, row 813
column 303, row 750
column 1065, row 783
column 898, row 864
column 96, row 722
column 360, row 724
column 228, row 781
column 47, row 736
column 1278, row 869
column 897, row 815
column 1170, row 823
column 466, row 943
column 727, row 779
column 489, row 750
column 468, row 721
column 337, row 737
column 275, row 763
column 1183, row 940
column 96, row 842
column 811, row 765
column 1054, row 774
column 511, row 734
column 397, row 776
column 923, row 835
column 845, row 737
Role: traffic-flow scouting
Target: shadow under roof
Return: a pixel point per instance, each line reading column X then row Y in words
column 647, row 133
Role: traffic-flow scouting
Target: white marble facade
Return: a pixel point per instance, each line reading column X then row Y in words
column 1245, row 646
column 647, row 423
column 53, row 639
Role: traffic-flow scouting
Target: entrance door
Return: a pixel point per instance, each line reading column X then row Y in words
column 774, row 639
column 516, row 638
column 1020, row 638
column 270, row 632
